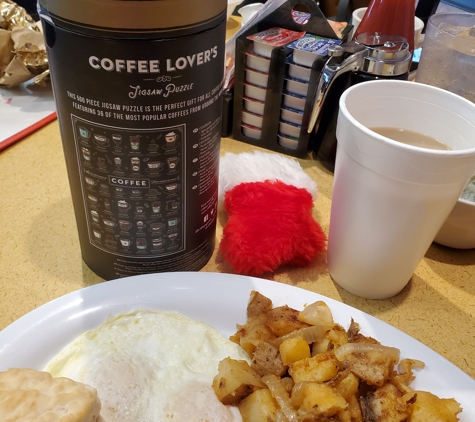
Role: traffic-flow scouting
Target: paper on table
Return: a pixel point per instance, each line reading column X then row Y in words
column 24, row 109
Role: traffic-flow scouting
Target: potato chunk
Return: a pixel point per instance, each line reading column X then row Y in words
column 235, row 380
column 294, row 349
column 385, row 404
column 259, row 406
column 429, row 407
column 373, row 367
column 283, row 320
column 253, row 332
column 258, row 304
column 348, row 386
column 319, row 368
column 333, row 339
column 320, row 399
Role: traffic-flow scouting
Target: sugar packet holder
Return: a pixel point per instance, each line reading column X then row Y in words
column 269, row 134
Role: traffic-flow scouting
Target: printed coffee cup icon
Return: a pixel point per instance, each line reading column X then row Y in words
column 173, row 205
column 140, row 225
column 125, row 243
column 139, row 209
column 172, row 162
column 171, row 138
column 154, row 165
column 118, row 190
column 153, row 147
column 95, row 216
column 157, row 243
column 172, row 187
column 103, row 187
column 141, row 244
column 89, row 181
column 125, row 225
column 101, row 162
column 92, row 199
column 156, row 207
column 155, row 227
column 84, row 133
column 173, row 222
column 153, row 193
column 107, row 205
column 117, row 139
column 100, row 140
column 86, row 154
column 97, row 235
column 110, row 242
column 123, row 206
column 109, row 223
column 135, row 162
column 173, row 238
column 134, row 142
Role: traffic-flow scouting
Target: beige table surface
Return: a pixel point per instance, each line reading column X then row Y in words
column 40, row 257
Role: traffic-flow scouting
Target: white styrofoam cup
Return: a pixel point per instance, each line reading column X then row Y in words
column 390, row 199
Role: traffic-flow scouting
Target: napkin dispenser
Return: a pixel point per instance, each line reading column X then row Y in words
column 371, row 56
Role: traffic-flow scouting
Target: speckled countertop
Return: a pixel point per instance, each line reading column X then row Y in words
column 40, row 257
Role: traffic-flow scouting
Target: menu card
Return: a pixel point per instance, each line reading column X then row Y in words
column 24, row 109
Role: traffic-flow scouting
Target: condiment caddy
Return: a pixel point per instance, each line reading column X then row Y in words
column 275, row 83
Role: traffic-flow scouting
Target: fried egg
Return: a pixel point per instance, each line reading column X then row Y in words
column 151, row 366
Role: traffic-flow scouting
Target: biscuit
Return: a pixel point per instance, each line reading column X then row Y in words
column 27, row 395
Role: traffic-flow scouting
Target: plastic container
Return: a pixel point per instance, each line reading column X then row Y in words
column 296, row 86
column 291, row 115
column 266, row 41
column 251, row 131
column 294, row 101
column 288, row 142
column 252, row 119
column 257, row 78
column 254, row 106
column 256, row 62
column 290, row 129
column 310, row 47
column 255, row 92
column 135, row 82
column 296, row 71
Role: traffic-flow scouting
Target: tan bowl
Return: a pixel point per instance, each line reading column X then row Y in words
column 458, row 230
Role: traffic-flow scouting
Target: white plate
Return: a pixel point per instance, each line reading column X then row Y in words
column 219, row 300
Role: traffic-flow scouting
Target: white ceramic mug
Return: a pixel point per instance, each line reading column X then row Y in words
column 390, row 199
column 358, row 14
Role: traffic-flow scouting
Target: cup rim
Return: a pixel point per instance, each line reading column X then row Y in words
column 442, row 15
column 395, row 144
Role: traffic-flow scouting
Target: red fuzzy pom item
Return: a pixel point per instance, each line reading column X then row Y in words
column 270, row 224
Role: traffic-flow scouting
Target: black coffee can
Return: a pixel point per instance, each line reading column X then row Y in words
column 137, row 86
